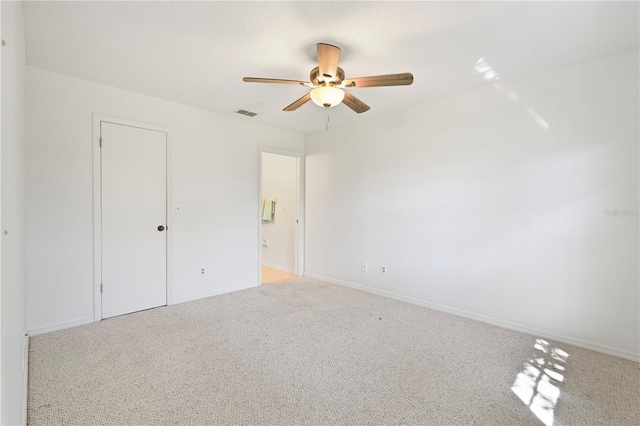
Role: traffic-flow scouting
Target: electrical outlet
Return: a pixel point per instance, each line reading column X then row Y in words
column 202, row 271
column 384, row 269
column 365, row 266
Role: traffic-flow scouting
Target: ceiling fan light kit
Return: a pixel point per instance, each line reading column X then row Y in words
column 328, row 81
column 327, row 96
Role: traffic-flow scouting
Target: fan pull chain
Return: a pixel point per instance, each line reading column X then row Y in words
column 327, row 125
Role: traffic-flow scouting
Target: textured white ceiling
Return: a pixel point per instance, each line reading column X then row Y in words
column 197, row 52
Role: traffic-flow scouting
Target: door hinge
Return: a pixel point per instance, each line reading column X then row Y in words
column 100, row 287
column 100, row 141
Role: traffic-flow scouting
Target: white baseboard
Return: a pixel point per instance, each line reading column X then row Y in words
column 84, row 321
column 211, row 293
column 25, row 372
column 631, row 356
column 280, row 267
column 59, row 326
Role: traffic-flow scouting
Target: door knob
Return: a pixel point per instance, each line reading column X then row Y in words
column 161, row 228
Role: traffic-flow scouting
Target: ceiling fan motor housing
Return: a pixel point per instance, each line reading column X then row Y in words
column 318, row 79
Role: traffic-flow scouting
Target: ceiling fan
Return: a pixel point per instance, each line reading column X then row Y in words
column 328, row 82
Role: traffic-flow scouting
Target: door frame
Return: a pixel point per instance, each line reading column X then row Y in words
column 97, row 205
column 299, row 229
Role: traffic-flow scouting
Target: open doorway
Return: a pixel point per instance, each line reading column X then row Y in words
column 280, row 215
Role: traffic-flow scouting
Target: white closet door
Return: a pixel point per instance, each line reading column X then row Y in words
column 134, row 211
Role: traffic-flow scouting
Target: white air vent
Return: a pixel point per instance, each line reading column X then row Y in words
column 247, row 113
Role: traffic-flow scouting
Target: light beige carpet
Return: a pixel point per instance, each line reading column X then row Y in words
column 308, row 352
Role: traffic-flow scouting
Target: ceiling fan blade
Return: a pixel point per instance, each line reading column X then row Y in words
column 354, row 103
column 297, row 104
column 277, row 81
column 328, row 56
column 402, row 79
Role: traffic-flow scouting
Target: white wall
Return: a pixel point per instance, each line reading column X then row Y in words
column 279, row 182
column 214, row 177
column 491, row 203
column 13, row 215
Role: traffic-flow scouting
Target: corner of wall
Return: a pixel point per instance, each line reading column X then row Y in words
column 13, row 251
